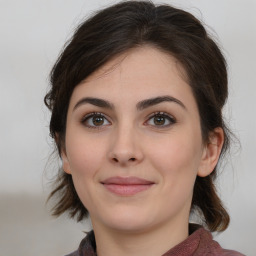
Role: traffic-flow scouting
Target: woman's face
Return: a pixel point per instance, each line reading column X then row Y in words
column 133, row 142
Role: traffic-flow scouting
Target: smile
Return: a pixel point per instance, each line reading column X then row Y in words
column 126, row 186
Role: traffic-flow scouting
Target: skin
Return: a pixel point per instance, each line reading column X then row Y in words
column 127, row 141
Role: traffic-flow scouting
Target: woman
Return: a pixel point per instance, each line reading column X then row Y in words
column 136, row 103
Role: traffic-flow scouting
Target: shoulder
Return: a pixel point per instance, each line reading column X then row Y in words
column 87, row 246
column 231, row 253
column 208, row 246
column 73, row 253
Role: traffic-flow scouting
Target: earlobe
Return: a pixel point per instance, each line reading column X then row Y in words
column 211, row 152
column 65, row 162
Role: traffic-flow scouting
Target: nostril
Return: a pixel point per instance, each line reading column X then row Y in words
column 117, row 159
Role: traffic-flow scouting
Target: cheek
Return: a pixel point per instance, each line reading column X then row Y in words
column 84, row 155
column 85, row 160
column 177, row 159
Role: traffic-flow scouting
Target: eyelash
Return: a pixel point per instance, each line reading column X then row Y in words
column 87, row 117
column 163, row 115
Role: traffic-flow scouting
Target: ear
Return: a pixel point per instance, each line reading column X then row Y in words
column 211, row 152
column 65, row 162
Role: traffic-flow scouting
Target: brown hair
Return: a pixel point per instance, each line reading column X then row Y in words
column 115, row 30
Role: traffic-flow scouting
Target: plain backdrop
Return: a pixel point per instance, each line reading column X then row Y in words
column 33, row 32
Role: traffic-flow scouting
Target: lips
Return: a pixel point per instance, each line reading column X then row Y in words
column 126, row 186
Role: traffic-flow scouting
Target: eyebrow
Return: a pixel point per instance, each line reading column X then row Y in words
column 94, row 101
column 154, row 101
column 140, row 105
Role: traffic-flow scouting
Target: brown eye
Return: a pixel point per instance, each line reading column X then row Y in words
column 161, row 120
column 98, row 120
column 95, row 120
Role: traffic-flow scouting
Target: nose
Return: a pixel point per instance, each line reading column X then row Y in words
column 125, row 147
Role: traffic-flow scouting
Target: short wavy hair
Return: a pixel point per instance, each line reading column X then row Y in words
column 117, row 29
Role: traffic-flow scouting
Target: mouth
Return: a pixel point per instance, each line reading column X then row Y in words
column 126, row 186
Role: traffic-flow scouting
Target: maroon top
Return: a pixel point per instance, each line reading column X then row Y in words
column 199, row 243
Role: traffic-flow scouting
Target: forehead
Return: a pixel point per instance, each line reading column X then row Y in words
column 141, row 72
column 144, row 59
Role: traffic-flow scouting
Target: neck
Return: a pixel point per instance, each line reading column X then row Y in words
column 156, row 241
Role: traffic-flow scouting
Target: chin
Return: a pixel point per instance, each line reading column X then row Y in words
column 127, row 220
column 130, row 226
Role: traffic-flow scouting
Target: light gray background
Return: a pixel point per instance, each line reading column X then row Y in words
column 32, row 35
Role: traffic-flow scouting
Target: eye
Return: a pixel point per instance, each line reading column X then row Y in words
column 160, row 120
column 95, row 120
